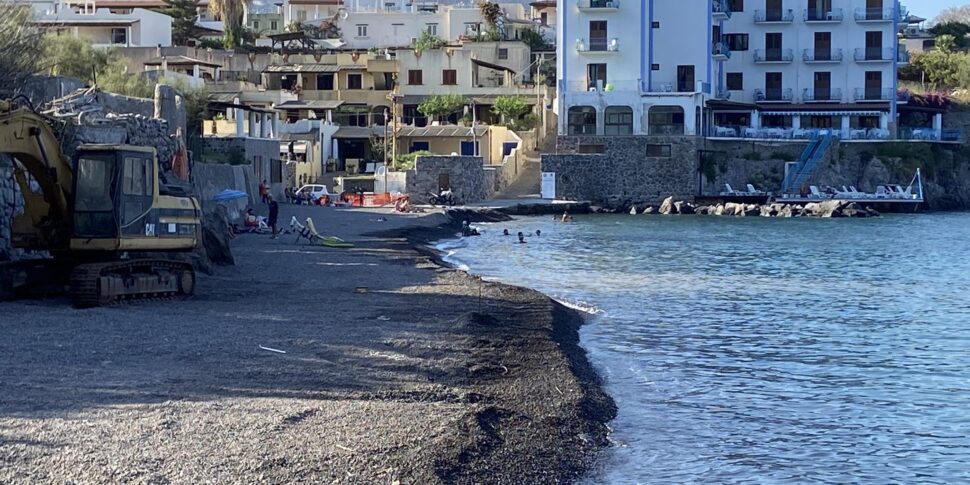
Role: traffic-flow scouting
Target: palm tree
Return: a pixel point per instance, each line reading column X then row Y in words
column 231, row 12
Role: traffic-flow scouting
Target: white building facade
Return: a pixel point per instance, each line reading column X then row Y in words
column 738, row 68
column 105, row 24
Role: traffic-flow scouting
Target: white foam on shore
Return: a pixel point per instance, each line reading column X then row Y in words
column 580, row 306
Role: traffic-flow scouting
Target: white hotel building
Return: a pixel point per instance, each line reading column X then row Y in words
column 729, row 68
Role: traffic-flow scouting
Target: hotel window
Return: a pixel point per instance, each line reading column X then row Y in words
column 361, row 30
column 654, row 25
column 415, row 77
column 255, row 24
column 735, row 81
column 432, row 29
column 325, row 82
column 736, row 42
column 273, row 25
column 503, row 54
column 736, row 5
column 449, row 77
column 355, row 81
column 119, row 36
column 301, row 15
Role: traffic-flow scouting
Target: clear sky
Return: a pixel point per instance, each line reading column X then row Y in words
column 929, row 9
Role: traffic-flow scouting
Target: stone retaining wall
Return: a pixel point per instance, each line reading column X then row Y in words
column 466, row 175
column 209, row 179
column 623, row 173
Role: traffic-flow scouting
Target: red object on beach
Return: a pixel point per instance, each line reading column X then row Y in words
column 367, row 199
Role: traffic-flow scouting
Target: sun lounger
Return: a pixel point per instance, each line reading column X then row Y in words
column 815, row 193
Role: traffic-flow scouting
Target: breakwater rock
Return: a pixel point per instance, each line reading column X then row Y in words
column 825, row 209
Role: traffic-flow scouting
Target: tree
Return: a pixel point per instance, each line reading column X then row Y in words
column 491, row 13
column 959, row 14
column 943, row 65
column 184, row 15
column 64, row 55
column 231, row 12
column 442, row 105
column 509, row 108
column 20, row 47
column 957, row 30
column 428, row 41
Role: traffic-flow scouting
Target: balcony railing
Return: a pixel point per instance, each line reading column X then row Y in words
column 599, row 5
column 874, row 54
column 902, row 55
column 721, row 51
column 822, row 55
column 598, row 45
column 874, row 14
column 821, row 15
column 721, row 10
column 773, row 55
column 599, row 86
column 776, row 16
column 874, row 94
column 822, row 95
column 773, row 95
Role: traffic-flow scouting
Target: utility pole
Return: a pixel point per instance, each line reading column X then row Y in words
column 474, row 133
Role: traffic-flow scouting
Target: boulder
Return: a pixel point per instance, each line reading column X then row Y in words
column 733, row 209
column 633, row 210
column 703, row 210
column 785, row 211
column 718, row 210
column 667, row 207
column 828, row 209
column 215, row 236
column 752, row 210
column 683, row 207
column 650, row 210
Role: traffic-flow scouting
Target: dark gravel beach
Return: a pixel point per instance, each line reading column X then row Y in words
column 395, row 369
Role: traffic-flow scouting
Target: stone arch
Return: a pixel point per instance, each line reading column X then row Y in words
column 666, row 120
column 581, row 120
column 618, row 120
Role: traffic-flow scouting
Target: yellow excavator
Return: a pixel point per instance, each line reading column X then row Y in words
column 104, row 217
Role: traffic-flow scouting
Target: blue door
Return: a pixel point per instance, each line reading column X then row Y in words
column 420, row 146
column 468, row 148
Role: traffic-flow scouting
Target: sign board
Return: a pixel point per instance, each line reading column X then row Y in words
column 548, row 185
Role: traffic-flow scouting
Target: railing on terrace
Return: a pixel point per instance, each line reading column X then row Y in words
column 822, row 15
column 779, row 15
column 598, row 4
column 874, row 94
column 605, row 87
column 721, row 50
column 822, row 95
column 874, row 14
column 598, row 45
column 873, row 54
column 822, row 55
column 925, row 133
column 747, row 132
column 721, row 9
column 777, row 95
column 773, row 55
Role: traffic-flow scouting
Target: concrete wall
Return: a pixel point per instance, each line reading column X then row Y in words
column 116, row 103
column 11, row 204
column 258, row 154
column 624, row 173
column 209, row 179
column 466, row 174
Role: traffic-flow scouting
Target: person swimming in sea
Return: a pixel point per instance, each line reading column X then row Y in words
column 538, row 232
column 506, row 232
column 467, row 230
column 521, row 238
column 566, row 217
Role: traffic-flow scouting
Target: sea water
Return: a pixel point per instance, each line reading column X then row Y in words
column 763, row 350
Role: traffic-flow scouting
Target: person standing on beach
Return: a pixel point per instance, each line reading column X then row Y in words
column 274, row 215
column 264, row 192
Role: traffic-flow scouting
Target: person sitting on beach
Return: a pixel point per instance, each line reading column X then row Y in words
column 403, row 204
column 250, row 221
column 521, row 238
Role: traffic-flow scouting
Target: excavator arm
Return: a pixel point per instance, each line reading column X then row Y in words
column 29, row 139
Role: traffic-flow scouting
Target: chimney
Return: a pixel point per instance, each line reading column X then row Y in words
column 158, row 50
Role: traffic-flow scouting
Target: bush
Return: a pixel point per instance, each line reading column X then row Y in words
column 784, row 156
column 753, row 156
column 428, row 41
column 442, row 105
column 407, row 161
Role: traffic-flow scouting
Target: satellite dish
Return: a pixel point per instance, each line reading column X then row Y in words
column 344, row 14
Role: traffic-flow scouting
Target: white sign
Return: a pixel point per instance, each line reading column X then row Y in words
column 548, row 185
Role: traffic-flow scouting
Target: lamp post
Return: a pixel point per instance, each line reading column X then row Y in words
column 386, row 165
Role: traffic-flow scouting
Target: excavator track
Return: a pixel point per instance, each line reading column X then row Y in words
column 98, row 284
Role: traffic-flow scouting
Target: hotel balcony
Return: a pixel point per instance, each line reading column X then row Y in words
column 773, row 95
column 874, row 14
column 598, row 46
column 721, row 52
column 822, row 56
column 874, row 54
column 862, row 95
column 819, row 95
column 721, row 10
column 774, row 16
column 598, row 5
column 814, row 15
column 773, row 56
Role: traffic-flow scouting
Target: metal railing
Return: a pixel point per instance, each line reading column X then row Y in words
column 874, row 14
column 874, row 94
column 821, row 15
column 822, row 55
column 598, row 4
column 874, row 54
column 777, row 95
column 603, row 86
column 818, row 95
column 779, row 15
column 773, row 55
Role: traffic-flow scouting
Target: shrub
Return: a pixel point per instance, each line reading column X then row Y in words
column 782, row 155
column 753, row 156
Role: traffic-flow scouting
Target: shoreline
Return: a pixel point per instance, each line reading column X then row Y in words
column 397, row 368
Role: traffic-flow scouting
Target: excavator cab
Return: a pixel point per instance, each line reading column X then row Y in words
column 118, row 206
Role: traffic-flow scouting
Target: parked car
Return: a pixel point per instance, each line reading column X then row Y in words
column 314, row 194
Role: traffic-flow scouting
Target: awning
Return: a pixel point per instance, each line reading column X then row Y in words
column 821, row 113
column 489, row 65
column 448, row 131
column 179, row 60
column 312, row 135
column 359, row 132
column 295, row 68
column 310, row 104
column 298, row 147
